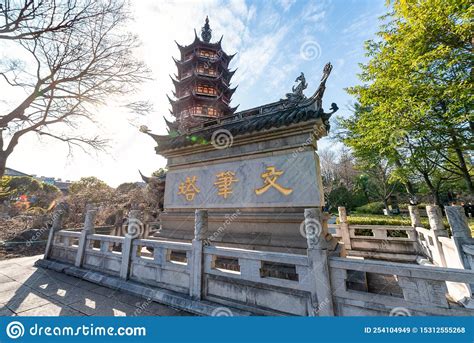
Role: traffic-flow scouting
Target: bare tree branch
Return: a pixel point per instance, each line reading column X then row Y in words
column 81, row 55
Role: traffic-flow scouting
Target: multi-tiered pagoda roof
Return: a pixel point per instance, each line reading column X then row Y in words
column 203, row 83
column 199, row 114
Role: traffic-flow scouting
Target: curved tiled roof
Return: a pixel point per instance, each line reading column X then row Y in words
column 238, row 125
column 282, row 113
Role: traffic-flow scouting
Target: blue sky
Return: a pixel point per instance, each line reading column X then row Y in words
column 274, row 41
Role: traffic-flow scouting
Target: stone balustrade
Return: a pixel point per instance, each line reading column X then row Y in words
column 65, row 246
column 421, row 289
column 102, row 253
column 384, row 242
column 197, row 277
column 162, row 264
column 255, row 278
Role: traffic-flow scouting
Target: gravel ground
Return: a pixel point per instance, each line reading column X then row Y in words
column 18, row 239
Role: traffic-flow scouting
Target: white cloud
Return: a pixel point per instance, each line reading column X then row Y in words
column 286, row 4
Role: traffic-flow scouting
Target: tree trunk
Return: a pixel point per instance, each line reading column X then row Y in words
column 465, row 171
column 408, row 185
column 462, row 161
column 433, row 190
column 385, row 204
column 3, row 163
column 366, row 194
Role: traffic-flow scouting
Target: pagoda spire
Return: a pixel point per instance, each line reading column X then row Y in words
column 203, row 83
column 206, row 32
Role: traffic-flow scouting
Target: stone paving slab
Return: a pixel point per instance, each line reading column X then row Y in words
column 26, row 290
column 180, row 301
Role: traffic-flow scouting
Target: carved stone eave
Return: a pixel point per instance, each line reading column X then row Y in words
column 222, row 60
column 198, row 42
column 314, row 127
column 201, row 77
column 145, row 179
column 172, row 126
column 319, row 93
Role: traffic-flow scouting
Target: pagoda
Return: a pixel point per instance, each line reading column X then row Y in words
column 202, row 84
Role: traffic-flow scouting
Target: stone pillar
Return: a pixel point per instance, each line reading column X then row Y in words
column 57, row 221
column 200, row 227
column 414, row 216
column 133, row 231
column 415, row 222
column 321, row 294
column 88, row 229
column 344, row 227
column 435, row 218
column 461, row 232
column 458, row 222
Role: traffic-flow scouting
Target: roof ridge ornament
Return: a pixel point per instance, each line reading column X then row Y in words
column 206, row 32
column 297, row 94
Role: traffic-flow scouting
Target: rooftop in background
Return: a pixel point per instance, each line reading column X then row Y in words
column 13, row 172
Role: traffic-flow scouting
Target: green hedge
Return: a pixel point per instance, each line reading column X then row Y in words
column 371, row 208
column 361, row 219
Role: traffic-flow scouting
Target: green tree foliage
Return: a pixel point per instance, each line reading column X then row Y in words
column 160, row 172
column 416, row 99
column 14, row 186
column 5, row 189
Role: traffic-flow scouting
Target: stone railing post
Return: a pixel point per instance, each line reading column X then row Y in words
column 414, row 216
column 458, row 222
column 321, row 294
column 57, row 221
column 461, row 232
column 344, row 226
column 200, row 227
column 415, row 219
column 134, row 228
column 435, row 218
column 86, row 230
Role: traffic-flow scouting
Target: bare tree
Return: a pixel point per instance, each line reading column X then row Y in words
column 30, row 19
column 74, row 56
column 337, row 169
column 328, row 162
column 381, row 186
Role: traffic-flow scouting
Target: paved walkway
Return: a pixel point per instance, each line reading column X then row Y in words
column 29, row 291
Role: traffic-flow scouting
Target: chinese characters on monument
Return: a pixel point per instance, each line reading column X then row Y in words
column 283, row 179
column 188, row 188
column 224, row 182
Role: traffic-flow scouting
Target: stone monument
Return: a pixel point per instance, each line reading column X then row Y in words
column 255, row 171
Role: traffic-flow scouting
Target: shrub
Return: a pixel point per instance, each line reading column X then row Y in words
column 380, row 220
column 371, row 208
